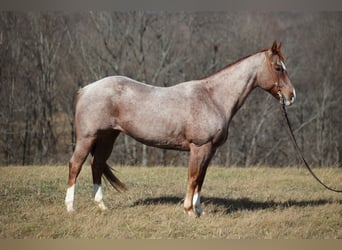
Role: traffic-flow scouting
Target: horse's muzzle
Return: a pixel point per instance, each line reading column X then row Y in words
column 287, row 100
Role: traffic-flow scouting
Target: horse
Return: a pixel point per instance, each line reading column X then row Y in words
column 192, row 116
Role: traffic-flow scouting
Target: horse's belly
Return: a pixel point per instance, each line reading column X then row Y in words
column 160, row 140
column 162, row 134
column 165, row 144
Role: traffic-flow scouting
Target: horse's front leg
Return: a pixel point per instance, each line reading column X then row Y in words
column 199, row 160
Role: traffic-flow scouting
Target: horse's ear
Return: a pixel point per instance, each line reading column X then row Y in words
column 279, row 46
column 274, row 47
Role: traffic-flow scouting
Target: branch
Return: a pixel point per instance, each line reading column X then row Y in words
column 274, row 147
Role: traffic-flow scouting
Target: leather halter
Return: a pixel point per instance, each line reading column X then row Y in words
column 274, row 75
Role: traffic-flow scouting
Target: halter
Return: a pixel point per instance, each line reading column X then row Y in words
column 274, row 75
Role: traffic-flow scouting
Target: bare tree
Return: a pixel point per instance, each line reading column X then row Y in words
column 45, row 57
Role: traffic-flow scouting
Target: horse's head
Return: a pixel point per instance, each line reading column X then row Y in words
column 273, row 76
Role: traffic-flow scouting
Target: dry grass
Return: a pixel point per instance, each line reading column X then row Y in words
column 252, row 203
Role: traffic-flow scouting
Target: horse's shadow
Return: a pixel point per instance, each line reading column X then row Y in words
column 233, row 205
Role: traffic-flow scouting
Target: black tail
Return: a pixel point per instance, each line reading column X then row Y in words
column 113, row 180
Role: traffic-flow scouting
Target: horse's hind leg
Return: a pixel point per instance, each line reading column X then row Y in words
column 82, row 149
column 101, row 152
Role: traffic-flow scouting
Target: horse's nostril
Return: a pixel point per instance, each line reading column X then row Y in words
column 292, row 95
column 292, row 98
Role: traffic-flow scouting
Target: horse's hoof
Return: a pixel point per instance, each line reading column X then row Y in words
column 102, row 206
column 192, row 213
column 200, row 212
column 69, row 208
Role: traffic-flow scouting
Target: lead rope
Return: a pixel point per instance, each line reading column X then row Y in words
column 286, row 119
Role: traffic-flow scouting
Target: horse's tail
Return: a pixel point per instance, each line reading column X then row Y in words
column 113, row 180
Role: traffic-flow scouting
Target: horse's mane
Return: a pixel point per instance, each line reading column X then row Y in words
column 275, row 52
column 233, row 63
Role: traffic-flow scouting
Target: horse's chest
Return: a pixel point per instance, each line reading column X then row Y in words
column 204, row 131
column 220, row 136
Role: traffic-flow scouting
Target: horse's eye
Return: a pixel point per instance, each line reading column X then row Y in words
column 279, row 68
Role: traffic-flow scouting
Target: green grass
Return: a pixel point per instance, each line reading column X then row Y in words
column 247, row 203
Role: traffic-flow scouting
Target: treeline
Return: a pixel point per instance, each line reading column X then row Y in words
column 45, row 57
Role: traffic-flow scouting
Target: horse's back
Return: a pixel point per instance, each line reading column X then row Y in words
column 94, row 107
column 103, row 104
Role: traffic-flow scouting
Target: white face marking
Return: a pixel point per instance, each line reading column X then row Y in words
column 294, row 94
column 69, row 198
column 283, row 65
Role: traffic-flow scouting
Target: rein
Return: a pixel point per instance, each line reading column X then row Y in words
column 286, row 120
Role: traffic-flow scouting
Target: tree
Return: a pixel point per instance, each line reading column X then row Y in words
column 46, row 57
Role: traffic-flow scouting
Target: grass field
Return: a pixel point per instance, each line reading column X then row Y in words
column 247, row 203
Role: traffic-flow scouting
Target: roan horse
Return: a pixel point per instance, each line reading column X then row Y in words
column 191, row 116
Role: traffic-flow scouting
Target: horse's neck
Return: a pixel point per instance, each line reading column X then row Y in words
column 232, row 85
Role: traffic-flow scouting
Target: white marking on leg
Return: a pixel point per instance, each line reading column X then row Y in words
column 196, row 200
column 196, row 203
column 69, row 198
column 187, row 204
column 98, row 196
